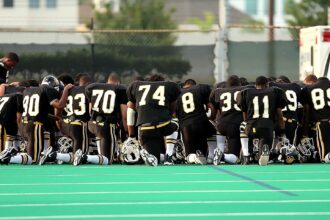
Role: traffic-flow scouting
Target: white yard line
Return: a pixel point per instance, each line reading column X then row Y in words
column 159, row 182
column 169, row 215
column 162, row 203
column 9, row 175
column 162, row 192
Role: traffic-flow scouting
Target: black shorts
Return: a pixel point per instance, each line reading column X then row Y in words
column 152, row 136
column 33, row 133
column 232, row 132
column 106, row 134
column 195, row 134
column 77, row 131
column 261, row 129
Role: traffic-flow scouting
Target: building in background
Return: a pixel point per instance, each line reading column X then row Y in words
column 39, row 14
column 258, row 9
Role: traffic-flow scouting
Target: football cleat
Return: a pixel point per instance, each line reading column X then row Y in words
column 264, row 157
column 168, row 160
column 218, row 156
column 180, row 153
column 6, row 154
column 148, row 159
column 200, row 158
column 79, row 158
column 49, row 156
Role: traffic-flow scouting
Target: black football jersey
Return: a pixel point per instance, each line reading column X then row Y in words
column 77, row 106
column 192, row 103
column 10, row 104
column 3, row 74
column 317, row 96
column 37, row 102
column 293, row 95
column 106, row 100
column 261, row 103
column 225, row 100
column 152, row 100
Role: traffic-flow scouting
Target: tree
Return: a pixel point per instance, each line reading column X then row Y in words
column 136, row 15
column 206, row 23
column 306, row 13
column 144, row 51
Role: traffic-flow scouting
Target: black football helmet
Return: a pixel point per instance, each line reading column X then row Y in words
column 51, row 81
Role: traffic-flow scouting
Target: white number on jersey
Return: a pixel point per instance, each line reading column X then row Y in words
column 291, row 96
column 3, row 101
column 265, row 101
column 159, row 94
column 81, row 101
column 319, row 99
column 188, row 102
column 108, row 104
column 31, row 105
column 227, row 97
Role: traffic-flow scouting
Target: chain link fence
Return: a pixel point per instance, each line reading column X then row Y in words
column 179, row 54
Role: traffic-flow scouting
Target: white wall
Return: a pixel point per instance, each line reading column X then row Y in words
column 21, row 16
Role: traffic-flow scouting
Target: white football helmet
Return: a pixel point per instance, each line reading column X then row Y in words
column 65, row 144
column 288, row 153
column 306, row 148
column 130, row 151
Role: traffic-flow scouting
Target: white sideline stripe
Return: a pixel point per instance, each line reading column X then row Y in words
column 170, row 215
column 155, row 174
column 159, row 182
column 163, row 203
column 164, row 192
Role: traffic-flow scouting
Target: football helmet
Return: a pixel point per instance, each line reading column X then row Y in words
column 306, row 148
column 130, row 151
column 255, row 149
column 179, row 152
column 65, row 144
column 288, row 154
column 52, row 81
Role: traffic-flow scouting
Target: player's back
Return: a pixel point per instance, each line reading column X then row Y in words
column 293, row 95
column 105, row 100
column 10, row 104
column 152, row 100
column 77, row 104
column 192, row 103
column 225, row 99
column 317, row 96
column 262, row 103
column 36, row 102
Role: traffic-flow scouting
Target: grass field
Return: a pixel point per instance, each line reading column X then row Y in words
column 166, row 192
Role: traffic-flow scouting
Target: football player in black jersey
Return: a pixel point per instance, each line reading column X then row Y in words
column 316, row 102
column 293, row 95
column 155, row 103
column 107, row 102
column 38, row 103
column 73, row 125
column 191, row 111
column 224, row 101
column 11, row 108
column 260, row 106
column 8, row 62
